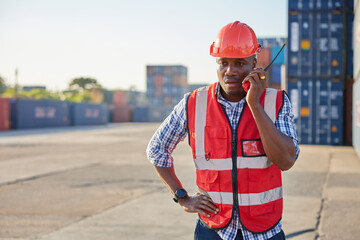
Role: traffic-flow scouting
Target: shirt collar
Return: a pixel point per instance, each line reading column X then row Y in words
column 222, row 100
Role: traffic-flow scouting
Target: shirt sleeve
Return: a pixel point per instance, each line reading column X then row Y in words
column 167, row 136
column 285, row 123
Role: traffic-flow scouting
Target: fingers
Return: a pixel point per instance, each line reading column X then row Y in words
column 206, row 206
column 200, row 203
column 257, row 74
column 256, row 77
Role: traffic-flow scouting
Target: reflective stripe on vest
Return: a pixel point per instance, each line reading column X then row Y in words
column 246, row 199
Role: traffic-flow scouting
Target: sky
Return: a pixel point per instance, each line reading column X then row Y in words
column 53, row 42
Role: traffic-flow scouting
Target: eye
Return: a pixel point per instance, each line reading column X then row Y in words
column 223, row 63
column 240, row 64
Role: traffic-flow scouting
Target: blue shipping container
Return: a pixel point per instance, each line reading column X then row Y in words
column 88, row 114
column 158, row 113
column 318, row 110
column 141, row 114
column 324, row 5
column 271, row 42
column 276, row 74
column 28, row 113
column 301, row 98
column 317, row 38
column 281, row 57
column 13, row 114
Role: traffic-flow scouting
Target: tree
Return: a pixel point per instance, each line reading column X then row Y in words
column 83, row 83
column 2, row 84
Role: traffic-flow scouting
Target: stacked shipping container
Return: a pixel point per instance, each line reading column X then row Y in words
column 118, row 107
column 319, row 62
column 166, row 86
column 276, row 73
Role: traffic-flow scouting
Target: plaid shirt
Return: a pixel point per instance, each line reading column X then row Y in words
column 173, row 130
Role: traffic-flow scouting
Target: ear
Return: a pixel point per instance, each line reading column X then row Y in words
column 254, row 62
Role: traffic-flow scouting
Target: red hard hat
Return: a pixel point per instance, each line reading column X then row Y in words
column 235, row 40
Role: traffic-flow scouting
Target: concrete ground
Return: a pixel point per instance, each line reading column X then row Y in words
column 87, row 183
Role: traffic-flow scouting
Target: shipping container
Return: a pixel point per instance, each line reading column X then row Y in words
column 141, row 114
column 158, row 113
column 136, row 98
column 180, row 80
column 275, row 74
column 158, row 80
column 263, row 58
column 108, row 97
column 319, row 62
column 318, row 110
column 168, row 101
column 356, row 42
column 281, row 57
column 150, row 70
column 4, row 114
column 122, row 114
column 320, row 5
column 28, row 113
column 319, row 42
column 271, row 42
column 121, row 98
column 88, row 114
column 164, row 83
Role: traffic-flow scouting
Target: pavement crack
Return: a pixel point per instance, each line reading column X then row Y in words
column 318, row 233
column 45, row 175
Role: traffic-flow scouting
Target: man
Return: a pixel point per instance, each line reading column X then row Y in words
column 241, row 141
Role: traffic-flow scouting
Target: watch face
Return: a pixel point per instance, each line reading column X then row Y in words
column 180, row 193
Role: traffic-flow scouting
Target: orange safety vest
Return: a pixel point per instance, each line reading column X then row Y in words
column 234, row 171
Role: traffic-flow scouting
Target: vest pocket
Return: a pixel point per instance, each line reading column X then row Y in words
column 217, row 142
column 208, row 180
column 252, row 148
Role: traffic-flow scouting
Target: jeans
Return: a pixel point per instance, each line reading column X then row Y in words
column 202, row 232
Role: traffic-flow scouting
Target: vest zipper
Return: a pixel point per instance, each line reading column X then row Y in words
column 234, row 143
column 234, row 173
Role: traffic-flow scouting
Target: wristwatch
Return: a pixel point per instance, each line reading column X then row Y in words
column 179, row 193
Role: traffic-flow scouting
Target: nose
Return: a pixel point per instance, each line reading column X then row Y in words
column 230, row 70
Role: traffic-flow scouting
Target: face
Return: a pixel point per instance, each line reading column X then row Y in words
column 231, row 72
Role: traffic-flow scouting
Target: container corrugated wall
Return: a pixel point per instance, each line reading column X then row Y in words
column 356, row 86
column 318, row 65
column 88, row 114
column 4, row 114
column 28, row 113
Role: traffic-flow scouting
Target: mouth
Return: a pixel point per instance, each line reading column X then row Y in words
column 232, row 81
